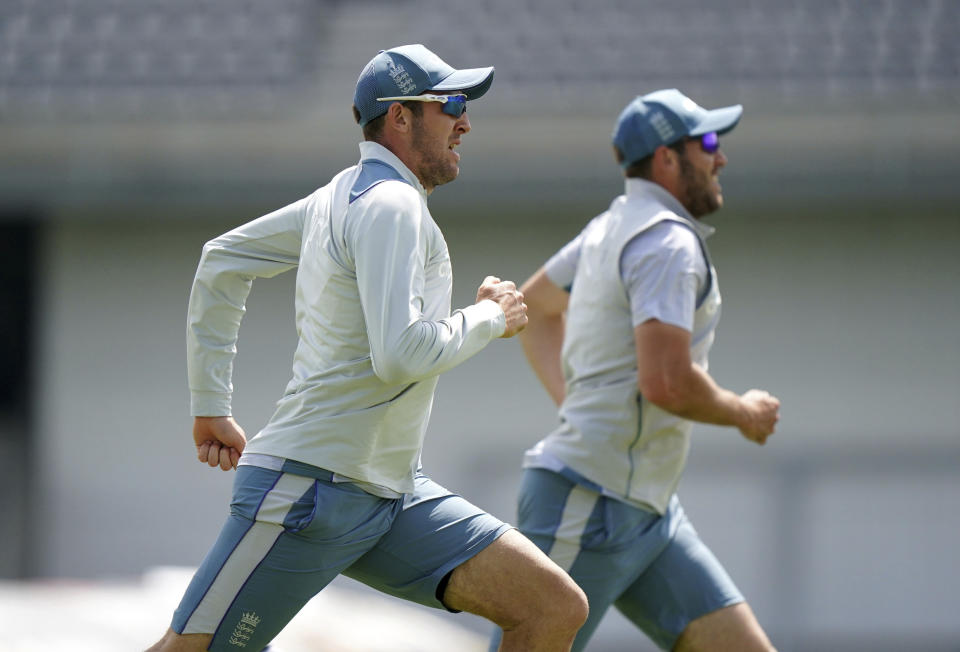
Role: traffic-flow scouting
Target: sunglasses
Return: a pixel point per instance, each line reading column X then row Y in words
column 710, row 142
column 454, row 105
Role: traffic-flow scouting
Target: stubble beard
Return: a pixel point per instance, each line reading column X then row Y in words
column 699, row 198
column 435, row 169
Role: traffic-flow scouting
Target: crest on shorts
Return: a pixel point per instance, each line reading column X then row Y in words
column 244, row 629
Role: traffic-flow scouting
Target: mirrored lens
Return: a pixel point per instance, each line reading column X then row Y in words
column 455, row 105
column 710, row 142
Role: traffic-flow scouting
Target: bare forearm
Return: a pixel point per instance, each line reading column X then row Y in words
column 542, row 341
column 543, row 338
column 669, row 379
column 755, row 413
column 696, row 396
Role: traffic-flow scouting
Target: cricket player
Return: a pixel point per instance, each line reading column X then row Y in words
column 620, row 323
column 332, row 484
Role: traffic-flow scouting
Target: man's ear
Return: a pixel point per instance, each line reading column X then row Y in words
column 665, row 167
column 664, row 157
column 398, row 118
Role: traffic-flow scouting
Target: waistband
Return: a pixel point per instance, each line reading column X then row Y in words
column 284, row 465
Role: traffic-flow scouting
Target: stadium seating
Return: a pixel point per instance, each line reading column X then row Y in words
column 160, row 60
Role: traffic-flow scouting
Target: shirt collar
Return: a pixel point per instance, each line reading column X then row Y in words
column 641, row 187
column 377, row 152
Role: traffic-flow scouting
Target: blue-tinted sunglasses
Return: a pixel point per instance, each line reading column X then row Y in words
column 453, row 105
column 710, row 142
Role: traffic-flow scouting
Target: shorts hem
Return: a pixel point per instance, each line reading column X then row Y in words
column 467, row 555
column 667, row 644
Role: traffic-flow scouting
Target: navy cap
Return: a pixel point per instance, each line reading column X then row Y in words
column 664, row 117
column 412, row 70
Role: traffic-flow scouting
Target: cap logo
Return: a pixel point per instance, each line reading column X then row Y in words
column 401, row 78
column 663, row 127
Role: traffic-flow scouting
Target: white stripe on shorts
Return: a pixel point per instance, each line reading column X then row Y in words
column 573, row 522
column 248, row 553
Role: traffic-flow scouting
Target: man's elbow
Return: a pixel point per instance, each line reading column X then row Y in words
column 395, row 369
column 662, row 393
column 211, row 247
column 392, row 373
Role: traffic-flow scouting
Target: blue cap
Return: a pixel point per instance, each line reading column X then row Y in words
column 412, row 70
column 664, row 117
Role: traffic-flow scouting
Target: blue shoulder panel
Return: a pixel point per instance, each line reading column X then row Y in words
column 373, row 172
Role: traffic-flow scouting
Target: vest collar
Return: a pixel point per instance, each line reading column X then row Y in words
column 375, row 151
column 637, row 187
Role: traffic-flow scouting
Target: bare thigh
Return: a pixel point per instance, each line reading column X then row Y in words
column 731, row 628
column 173, row 642
column 510, row 581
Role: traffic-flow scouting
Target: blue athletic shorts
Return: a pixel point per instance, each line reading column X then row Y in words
column 292, row 530
column 654, row 569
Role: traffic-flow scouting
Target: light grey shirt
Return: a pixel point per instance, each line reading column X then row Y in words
column 372, row 313
column 642, row 259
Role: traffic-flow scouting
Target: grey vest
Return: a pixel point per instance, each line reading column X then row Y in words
column 610, row 434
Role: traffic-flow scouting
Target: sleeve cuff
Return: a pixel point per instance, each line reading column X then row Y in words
column 486, row 312
column 493, row 312
column 210, row 404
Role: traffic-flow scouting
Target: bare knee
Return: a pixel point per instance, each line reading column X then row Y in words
column 551, row 620
column 564, row 604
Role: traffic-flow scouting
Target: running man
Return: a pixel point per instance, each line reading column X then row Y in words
column 332, row 484
column 620, row 323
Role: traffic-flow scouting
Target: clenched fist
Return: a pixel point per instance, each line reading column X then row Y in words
column 760, row 415
column 510, row 299
column 219, row 441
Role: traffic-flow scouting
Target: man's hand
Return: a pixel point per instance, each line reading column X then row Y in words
column 219, row 440
column 511, row 302
column 760, row 416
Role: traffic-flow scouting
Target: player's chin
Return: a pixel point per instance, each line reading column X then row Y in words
column 447, row 175
column 715, row 197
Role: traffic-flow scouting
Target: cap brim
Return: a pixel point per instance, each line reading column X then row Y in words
column 473, row 82
column 719, row 120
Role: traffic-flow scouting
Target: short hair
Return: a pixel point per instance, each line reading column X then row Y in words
column 643, row 168
column 373, row 130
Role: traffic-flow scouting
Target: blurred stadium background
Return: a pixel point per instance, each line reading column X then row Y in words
column 132, row 132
